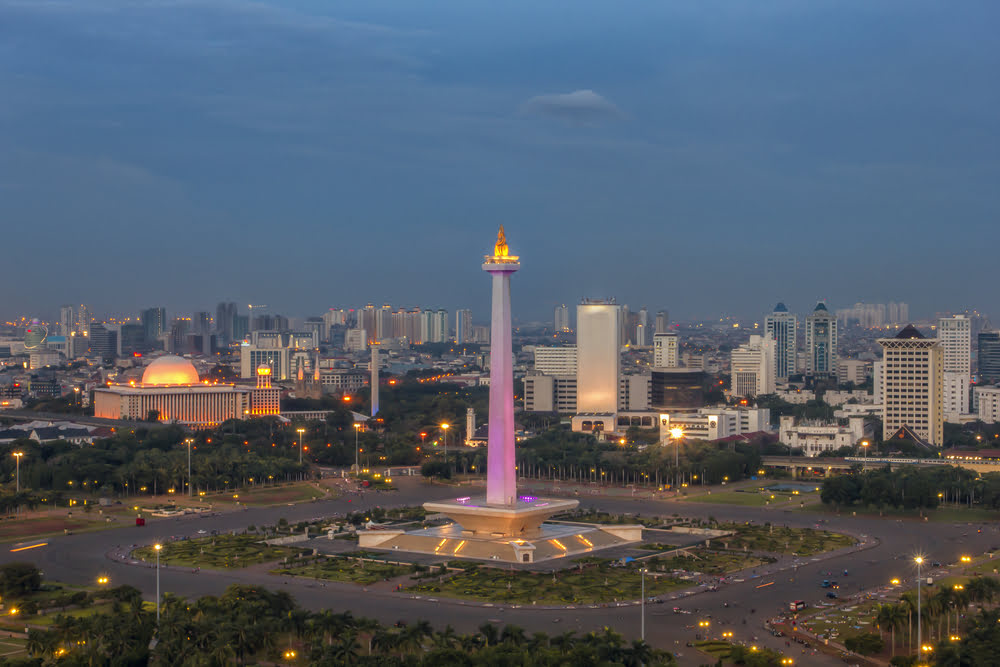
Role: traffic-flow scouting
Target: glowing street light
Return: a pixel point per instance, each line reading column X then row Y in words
column 17, row 458
column 190, row 487
column 357, row 429
column 300, row 431
column 864, row 448
column 919, row 560
column 676, row 434
column 445, row 428
column 158, row 548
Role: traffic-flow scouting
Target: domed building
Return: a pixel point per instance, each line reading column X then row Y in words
column 172, row 390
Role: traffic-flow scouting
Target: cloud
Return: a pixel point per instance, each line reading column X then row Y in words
column 581, row 106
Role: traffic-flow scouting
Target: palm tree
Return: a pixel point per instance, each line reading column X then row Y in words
column 489, row 634
column 513, row 634
column 446, row 638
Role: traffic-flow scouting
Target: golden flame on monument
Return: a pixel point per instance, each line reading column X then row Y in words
column 501, row 254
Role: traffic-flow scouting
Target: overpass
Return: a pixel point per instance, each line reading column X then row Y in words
column 86, row 420
column 822, row 466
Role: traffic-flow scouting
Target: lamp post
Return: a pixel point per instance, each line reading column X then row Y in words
column 676, row 434
column 357, row 429
column 642, row 617
column 445, row 427
column 157, row 548
column 864, row 448
column 919, row 560
column 190, row 486
column 300, row 431
column 17, row 465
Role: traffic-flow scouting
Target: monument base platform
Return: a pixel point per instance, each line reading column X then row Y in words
column 552, row 541
column 508, row 534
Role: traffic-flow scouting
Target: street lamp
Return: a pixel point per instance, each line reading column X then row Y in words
column 17, row 458
column 190, row 487
column 864, row 448
column 357, row 429
column 300, row 431
column 676, row 434
column 642, row 617
column 919, row 561
column 445, row 428
column 158, row 547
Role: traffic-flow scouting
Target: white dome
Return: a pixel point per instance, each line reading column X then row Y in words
column 170, row 370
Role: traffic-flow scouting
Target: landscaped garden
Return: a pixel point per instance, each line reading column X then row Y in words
column 592, row 584
column 217, row 552
column 593, row 516
column 781, row 539
column 350, row 570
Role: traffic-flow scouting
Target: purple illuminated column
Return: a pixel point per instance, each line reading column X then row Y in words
column 501, row 478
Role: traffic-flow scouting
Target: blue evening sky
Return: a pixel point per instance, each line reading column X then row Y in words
column 705, row 157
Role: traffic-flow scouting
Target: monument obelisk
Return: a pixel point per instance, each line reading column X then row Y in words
column 501, row 474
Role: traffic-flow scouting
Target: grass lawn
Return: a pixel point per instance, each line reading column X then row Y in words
column 706, row 561
column 779, row 539
column 274, row 495
column 50, row 618
column 749, row 498
column 838, row 623
column 217, row 552
column 347, row 570
column 12, row 648
column 26, row 529
column 590, row 516
column 591, row 585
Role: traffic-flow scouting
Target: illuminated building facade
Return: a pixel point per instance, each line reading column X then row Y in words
column 170, row 388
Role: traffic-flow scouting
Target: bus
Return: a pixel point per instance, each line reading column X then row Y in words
column 797, row 605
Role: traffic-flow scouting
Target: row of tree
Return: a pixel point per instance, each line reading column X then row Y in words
column 912, row 487
column 250, row 624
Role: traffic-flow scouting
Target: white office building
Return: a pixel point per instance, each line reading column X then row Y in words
column 821, row 342
column 853, row 370
column 955, row 334
column 463, row 326
column 715, row 423
column 988, row 400
column 434, row 326
column 598, row 342
column 556, row 360
column 752, row 367
column 912, row 386
column 814, row 438
column 666, row 350
column 783, row 327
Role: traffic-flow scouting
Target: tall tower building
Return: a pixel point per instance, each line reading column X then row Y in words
column 821, row 342
column 154, row 323
column 783, row 327
column 463, row 326
column 642, row 328
column 955, row 334
column 988, row 356
column 83, row 320
column 662, row 321
column 225, row 317
column 560, row 319
column 666, row 350
column 598, row 348
column 912, row 385
column 374, row 380
column 67, row 324
column 752, row 367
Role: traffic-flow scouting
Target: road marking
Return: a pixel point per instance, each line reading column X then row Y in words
column 770, row 583
column 33, row 546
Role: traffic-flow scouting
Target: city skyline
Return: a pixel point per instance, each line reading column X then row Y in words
column 762, row 140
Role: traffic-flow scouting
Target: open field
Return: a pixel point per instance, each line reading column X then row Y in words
column 24, row 529
column 779, row 539
column 747, row 498
column 591, row 585
column 216, row 552
column 347, row 570
column 706, row 561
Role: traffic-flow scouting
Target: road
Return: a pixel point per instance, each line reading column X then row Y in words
column 887, row 553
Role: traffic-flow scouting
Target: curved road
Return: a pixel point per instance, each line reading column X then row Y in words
column 888, row 545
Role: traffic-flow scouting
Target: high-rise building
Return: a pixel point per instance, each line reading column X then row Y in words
column 752, row 367
column 103, row 341
column 898, row 313
column 463, row 326
column 225, row 319
column 83, row 319
column 66, row 323
column 383, row 322
column 560, row 319
column 154, row 323
column 912, row 386
column 988, row 356
column 783, row 327
column 201, row 323
column 598, row 343
column 434, row 326
column 132, row 339
column 821, row 342
column 241, row 327
column 955, row 334
column 662, row 321
column 666, row 349
column 642, row 328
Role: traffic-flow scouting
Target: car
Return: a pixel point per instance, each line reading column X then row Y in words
column 825, row 584
column 678, row 610
column 831, row 595
column 202, row 532
column 935, row 564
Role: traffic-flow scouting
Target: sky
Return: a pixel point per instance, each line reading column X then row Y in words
column 703, row 157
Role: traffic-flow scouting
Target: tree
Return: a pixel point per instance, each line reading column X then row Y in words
column 867, row 643
column 19, row 579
